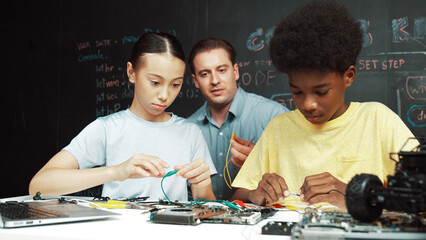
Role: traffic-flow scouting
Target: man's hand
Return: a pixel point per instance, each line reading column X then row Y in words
column 323, row 187
column 271, row 188
column 240, row 150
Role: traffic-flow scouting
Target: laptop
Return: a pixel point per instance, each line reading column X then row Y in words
column 21, row 214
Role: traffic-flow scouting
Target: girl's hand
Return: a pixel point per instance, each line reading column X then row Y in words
column 139, row 166
column 197, row 172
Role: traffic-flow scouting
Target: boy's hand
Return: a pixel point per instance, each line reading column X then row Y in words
column 140, row 165
column 240, row 150
column 271, row 188
column 323, row 187
column 197, row 172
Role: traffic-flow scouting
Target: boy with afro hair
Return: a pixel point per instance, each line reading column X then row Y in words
column 310, row 154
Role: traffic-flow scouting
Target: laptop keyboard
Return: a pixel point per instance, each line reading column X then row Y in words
column 21, row 210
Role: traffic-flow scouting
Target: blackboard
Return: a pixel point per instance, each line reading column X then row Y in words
column 390, row 67
column 76, row 53
column 94, row 57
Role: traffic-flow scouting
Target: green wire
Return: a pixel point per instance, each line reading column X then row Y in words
column 167, row 175
column 200, row 201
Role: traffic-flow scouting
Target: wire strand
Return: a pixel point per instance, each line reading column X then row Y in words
column 226, row 169
column 167, row 175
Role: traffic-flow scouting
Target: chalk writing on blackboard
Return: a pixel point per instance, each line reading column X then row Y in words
column 258, row 39
column 392, row 61
column 132, row 38
column 285, row 99
column 260, row 77
column 90, row 57
column 367, row 37
column 416, row 115
column 420, row 27
column 416, row 87
column 400, row 32
column 110, row 81
column 188, row 92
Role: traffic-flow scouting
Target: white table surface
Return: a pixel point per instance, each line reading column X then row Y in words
column 133, row 224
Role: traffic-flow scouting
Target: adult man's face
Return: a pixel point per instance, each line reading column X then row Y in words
column 216, row 77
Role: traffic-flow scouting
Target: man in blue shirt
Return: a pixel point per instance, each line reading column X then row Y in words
column 228, row 109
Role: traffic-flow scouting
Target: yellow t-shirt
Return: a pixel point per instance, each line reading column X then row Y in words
column 359, row 141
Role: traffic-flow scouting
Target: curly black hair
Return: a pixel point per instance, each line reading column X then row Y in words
column 320, row 35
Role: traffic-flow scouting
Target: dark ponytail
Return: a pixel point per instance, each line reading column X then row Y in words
column 155, row 43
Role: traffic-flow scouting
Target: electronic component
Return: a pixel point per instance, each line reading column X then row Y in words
column 233, row 217
column 195, row 215
column 366, row 196
column 278, row 228
column 183, row 216
column 340, row 225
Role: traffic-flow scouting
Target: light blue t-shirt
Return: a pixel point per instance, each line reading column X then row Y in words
column 247, row 117
column 113, row 139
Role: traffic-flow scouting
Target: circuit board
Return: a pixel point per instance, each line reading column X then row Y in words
column 340, row 225
column 195, row 215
